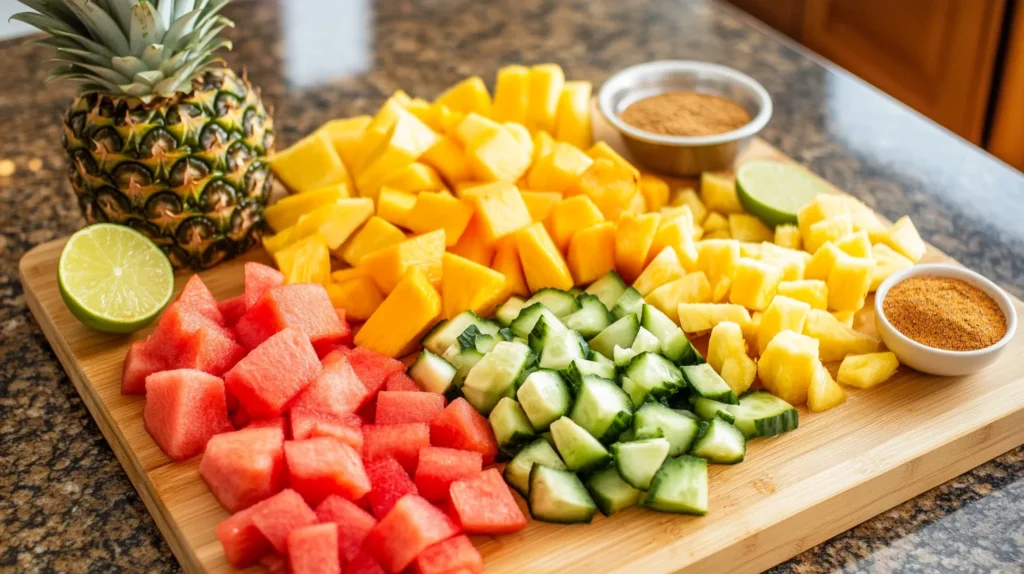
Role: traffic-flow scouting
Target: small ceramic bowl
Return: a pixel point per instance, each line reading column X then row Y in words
column 940, row 361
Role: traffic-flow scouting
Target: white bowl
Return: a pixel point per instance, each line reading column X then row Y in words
column 940, row 361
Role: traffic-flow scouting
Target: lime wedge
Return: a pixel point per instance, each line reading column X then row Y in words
column 113, row 278
column 775, row 191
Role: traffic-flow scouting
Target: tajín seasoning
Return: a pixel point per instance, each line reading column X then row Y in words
column 686, row 114
column 944, row 313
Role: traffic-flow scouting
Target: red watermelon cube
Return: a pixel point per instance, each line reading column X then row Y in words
column 184, row 408
column 401, row 382
column 304, row 306
column 314, row 549
column 321, row 466
column 368, row 412
column 460, row 426
column 243, row 543
column 232, row 309
column 309, row 424
column 138, row 364
column 353, row 522
column 401, row 442
column 335, row 391
column 484, row 504
column 258, row 280
column 274, row 423
column 389, row 483
column 196, row 297
column 373, row 368
column 439, row 467
column 410, row 528
column 239, row 418
column 245, row 467
column 275, row 563
column 397, row 407
column 363, row 563
column 278, row 515
column 453, row 555
column 184, row 339
column 273, row 374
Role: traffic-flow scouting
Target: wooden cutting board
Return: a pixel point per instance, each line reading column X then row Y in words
column 841, row 467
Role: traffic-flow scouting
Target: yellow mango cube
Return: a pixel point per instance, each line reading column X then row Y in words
column 287, row 211
column 866, row 371
column 467, row 97
column 677, row 233
column 342, row 275
column 688, row 197
column 634, row 235
column 835, row 339
column 345, row 135
column 310, row 163
column 305, row 261
column 511, row 94
column 571, row 215
column 601, row 150
column 717, row 258
column 522, row 135
column 448, row 157
column 788, row 235
column 387, row 266
column 376, row 132
column 406, row 140
column 655, row 191
column 376, row 234
column 428, row 113
column 663, row 268
column 416, row 177
column 335, row 222
column 542, row 262
column 824, row 393
column 546, row 82
column 274, row 243
column 827, row 230
column 814, row 292
column 559, row 170
column 395, row 206
column 904, row 239
column 572, row 123
column 469, row 286
column 406, row 314
column 497, row 156
column 849, row 282
column 727, row 355
column 783, row 314
column 506, row 261
column 743, row 227
column 439, row 210
column 540, row 204
column 822, row 261
column 612, row 187
column 788, row 365
column 690, row 288
column 543, row 144
column 473, row 127
column 856, row 244
column 592, row 253
column 887, row 262
column 754, row 284
column 718, row 192
column 701, row 317
column 823, row 206
column 500, row 208
column 359, row 297
column 473, row 244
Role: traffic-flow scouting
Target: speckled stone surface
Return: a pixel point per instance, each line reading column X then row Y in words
column 67, row 506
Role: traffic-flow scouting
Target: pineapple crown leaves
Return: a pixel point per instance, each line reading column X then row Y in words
column 144, row 49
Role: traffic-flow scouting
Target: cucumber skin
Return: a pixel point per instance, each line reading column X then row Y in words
column 664, row 474
column 550, row 459
column 599, row 482
column 588, row 511
column 699, row 445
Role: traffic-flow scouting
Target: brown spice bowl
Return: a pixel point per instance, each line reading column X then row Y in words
column 940, row 361
column 684, row 155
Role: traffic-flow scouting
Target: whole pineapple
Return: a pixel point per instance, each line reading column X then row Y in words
column 161, row 138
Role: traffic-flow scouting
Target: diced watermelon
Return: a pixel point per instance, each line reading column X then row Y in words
column 239, row 419
column 321, row 466
column 353, row 522
column 243, row 543
column 275, row 563
column 314, row 549
column 368, row 412
column 196, row 297
column 274, row 423
column 278, row 515
column 439, row 467
column 401, row 442
column 304, row 306
column 273, row 374
column 258, row 280
column 453, row 555
column 363, row 563
column 184, row 408
column 324, row 349
column 373, row 368
column 412, row 525
column 397, row 407
column 184, row 339
column 461, row 426
column 244, row 467
column 335, row 391
column 401, row 382
column 138, row 364
column 346, row 428
column 484, row 504
column 389, row 483
column 232, row 309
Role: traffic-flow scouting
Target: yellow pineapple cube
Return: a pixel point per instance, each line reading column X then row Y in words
column 634, row 235
column 377, row 131
column 406, row 140
column 727, row 355
column 558, row 170
column 395, row 206
column 543, row 264
column 754, row 284
column 287, row 211
column 814, row 292
column 836, row 339
column 868, row 370
column 310, row 163
column 473, row 244
column 439, row 211
column 540, row 204
column 601, row 150
column 448, row 157
column 416, row 177
column 428, row 113
column 856, row 244
column 689, row 198
column 522, row 135
column 511, row 94
column 751, row 250
column 546, row 82
column 845, row 317
column 701, row 317
column 822, row 261
column 654, row 190
column 743, row 227
column 827, row 230
column 718, row 234
column 359, row 297
column 305, row 261
column 463, row 188
column 500, row 208
column 274, row 243
column 543, row 144
column 469, row 286
column 718, row 192
column 376, row 234
column 335, row 222
column 672, row 212
column 387, row 266
column 572, row 122
column 342, row 275
column 887, row 262
column 783, row 314
column 506, row 261
column 406, row 314
column 612, row 187
column 788, row 365
column 792, row 264
column 720, row 291
column 904, row 239
column 468, row 96
column 345, row 135
column 824, row 206
column 715, row 222
column 663, row 268
column 497, row 156
column 788, row 235
column 638, row 204
column 717, row 258
column 571, row 215
column 691, row 288
column 864, row 219
column 677, row 233
column 824, row 393
column 592, row 253
column 750, row 329
column 849, row 282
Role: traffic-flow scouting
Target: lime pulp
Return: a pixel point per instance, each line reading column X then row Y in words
column 775, row 191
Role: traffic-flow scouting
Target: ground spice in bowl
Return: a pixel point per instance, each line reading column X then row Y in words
column 686, row 114
column 944, row 313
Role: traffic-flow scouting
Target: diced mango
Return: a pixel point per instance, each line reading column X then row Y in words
column 868, row 370
column 783, row 314
column 543, row 144
column 824, row 206
column 743, row 227
column 522, row 135
column 655, row 191
column 540, row 204
column 559, row 170
column 500, row 208
column 310, row 163
column 387, row 266
column 447, row 117
column 473, row 244
column 511, row 94
column 887, row 262
column 345, row 135
column 638, row 204
column 274, row 243
column 856, row 244
column 601, row 150
column 287, row 211
column 634, row 235
column 691, row 288
column 497, row 156
column 788, row 235
column 469, row 286
column 814, row 292
column 406, row 140
column 717, row 258
column 688, row 197
column 395, row 206
column 754, row 284
column 542, row 262
column 359, row 297
column 468, row 96
column 571, row 215
column 506, row 261
column 473, row 127
column 342, row 275
column 849, row 282
column 376, row 132
column 305, row 261
column 727, row 355
column 663, row 268
column 448, row 157
column 546, row 83
column 405, row 315
column 335, row 222
column 439, row 210
column 718, row 192
column 677, row 233
column 835, row 339
column 416, row 177
column 572, row 122
column 701, row 317
column 824, row 393
column 376, row 234
column 715, row 222
column 788, row 365
column 822, row 262
column 592, row 252
column 428, row 113
column 827, row 230
column 904, row 238
column 612, row 187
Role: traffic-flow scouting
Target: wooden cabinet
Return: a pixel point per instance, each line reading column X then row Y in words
column 1006, row 139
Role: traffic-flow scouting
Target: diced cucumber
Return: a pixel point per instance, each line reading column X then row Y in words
column 602, row 408
column 523, row 325
column 610, row 492
column 762, row 414
column 704, row 381
column 708, row 409
column 446, row 332
column 555, row 345
column 608, row 289
column 674, row 343
column 575, row 292
column 495, row 375
column 579, row 368
column 680, row 486
column 559, row 496
column 463, row 361
column 467, row 339
column 638, row 461
column 630, row 302
column 546, row 435
column 719, row 442
column 486, row 343
column 622, row 333
column 599, row 358
column 432, row 373
column 512, row 428
column 591, row 319
column 544, row 397
column 505, row 334
column 651, row 374
column 517, row 471
column 677, row 428
column 577, row 447
column 623, row 356
column 509, row 310
column 559, row 302
column 645, row 342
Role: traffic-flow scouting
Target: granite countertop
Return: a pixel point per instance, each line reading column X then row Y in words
column 65, row 503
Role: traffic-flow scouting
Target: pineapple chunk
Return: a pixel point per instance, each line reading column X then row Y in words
column 784, row 314
column 835, row 339
column 822, row 262
column 572, row 122
column 788, row 365
column 395, row 206
column 473, row 245
column 718, row 234
column 868, row 370
column 376, row 234
column 717, row 258
column 427, row 113
column 791, row 268
column 469, row 286
column 387, row 266
column 473, row 127
column 545, row 82
column 406, row 140
column 612, row 187
column 305, row 261
column 439, row 211
column 754, row 284
column 345, row 135
column 571, row 215
column 663, row 268
column 887, row 262
column 727, row 355
column 857, row 244
column 286, row 212
column 506, row 262
column 592, row 253
column 601, row 150
column 543, row 144
column 788, row 235
column 716, row 222
column 824, row 393
column 359, row 297
column 498, row 156
column 310, row 163
column 814, row 292
column 466, row 97
column 903, row 238
column 689, row 198
column 500, row 208
column 542, row 262
column 701, row 317
column 677, row 231
column 377, row 131
column 342, row 275
column 718, row 192
column 540, row 204
column 634, row 235
column 750, row 329
column 511, row 94
column 462, row 188
column 849, row 282
column 845, row 317
column 448, row 157
column 335, row 222
column 743, row 227
column 406, row 314
column 691, row 288
column 638, row 204
column 654, row 190
column 558, row 170
column 824, row 206
column 720, row 291
column 416, row 177
column 751, row 250
column 522, row 136
column 827, row 230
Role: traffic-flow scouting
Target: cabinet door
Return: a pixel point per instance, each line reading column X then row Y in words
column 783, row 15
column 1007, row 138
column 936, row 56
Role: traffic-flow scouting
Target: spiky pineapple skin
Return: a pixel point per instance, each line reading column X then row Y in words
column 190, row 172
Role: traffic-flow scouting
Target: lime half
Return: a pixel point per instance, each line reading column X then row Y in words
column 775, row 191
column 113, row 278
